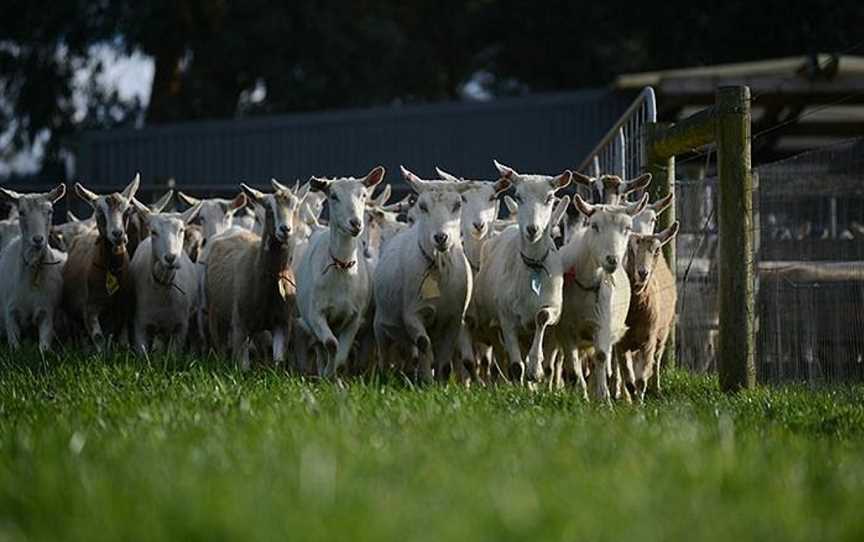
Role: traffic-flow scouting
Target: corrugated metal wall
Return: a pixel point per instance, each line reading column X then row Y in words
column 542, row 133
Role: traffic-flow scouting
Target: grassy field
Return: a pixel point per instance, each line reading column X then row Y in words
column 121, row 450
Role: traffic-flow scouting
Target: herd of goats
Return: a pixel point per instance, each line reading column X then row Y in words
column 434, row 286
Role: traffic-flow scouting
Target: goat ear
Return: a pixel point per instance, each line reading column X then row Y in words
column 239, row 201
column 584, row 207
column 506, row 172
column 511, row 204
column 163, row 202
column 381, row 199
column 187, row 199
column 86, row 195
column 317, row 184
column 501, row 185
column 561, row 181
column 70, row 217
column 374, row 177
column 639, row 183
column 662, row 204
column 277, row 186
column 446, row 176
column 559, row 211
column 255, row 195
column 9, row 195
column 417, row 184
column 669, row 233
column 189, row 214
column 583, row 179
column 634, row 209
column 132, row 188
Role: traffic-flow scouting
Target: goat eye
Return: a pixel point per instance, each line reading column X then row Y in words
column 424, row 208
column 457, row 206
column 518, row 198
column 549, row 199
column 334, row 197
column 595, row 227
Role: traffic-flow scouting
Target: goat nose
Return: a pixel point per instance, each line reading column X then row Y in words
column 532, row 231
column 478, row 226
column 643, row 274
column 38, row 240
column 117, row 234
column 355, row 224
column 612, row 261
column 169, row 258
column 285, row 229
column 441, row 238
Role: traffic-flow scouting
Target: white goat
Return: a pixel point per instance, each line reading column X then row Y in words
column 164, row 278
column 30, row 270
column 249, row 283
column 525, row 259
column 334, row 281
column 646, row 220
column 596, row 291
column 423, row 282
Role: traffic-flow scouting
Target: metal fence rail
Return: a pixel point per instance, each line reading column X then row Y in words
column 622, row 150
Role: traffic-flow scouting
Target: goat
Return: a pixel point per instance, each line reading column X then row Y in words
column 31, row 271
column 520, row 313
column 423, row 282
column 96, row 285
column 334, row 280
column 652, row 308
column 596, row 291
column 164, row 278
column 249, row 284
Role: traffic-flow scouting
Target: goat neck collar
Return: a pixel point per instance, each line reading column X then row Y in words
column 39, row 262
column 160, row 279
column 536, row 264
column 341, row 265
column 571, row 278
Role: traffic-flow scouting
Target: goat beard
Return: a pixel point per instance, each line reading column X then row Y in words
column 34, row 257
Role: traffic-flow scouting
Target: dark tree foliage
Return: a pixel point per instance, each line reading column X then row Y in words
column 211, row 54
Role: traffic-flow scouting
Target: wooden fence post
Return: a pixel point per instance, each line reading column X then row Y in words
column 736, row 352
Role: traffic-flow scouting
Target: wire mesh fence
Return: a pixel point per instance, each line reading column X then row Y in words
column 810, row 267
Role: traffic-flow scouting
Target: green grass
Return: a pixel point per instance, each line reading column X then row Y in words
column 123, row 450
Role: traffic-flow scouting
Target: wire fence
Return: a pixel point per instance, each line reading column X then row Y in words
column 809, row 238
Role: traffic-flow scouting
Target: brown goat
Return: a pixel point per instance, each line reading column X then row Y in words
column 652, row 309
column 97, row 290
column 249, row 282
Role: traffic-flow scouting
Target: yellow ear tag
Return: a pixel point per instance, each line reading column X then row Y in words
column 111, row 283
column 430, row 289
column 283, row 288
